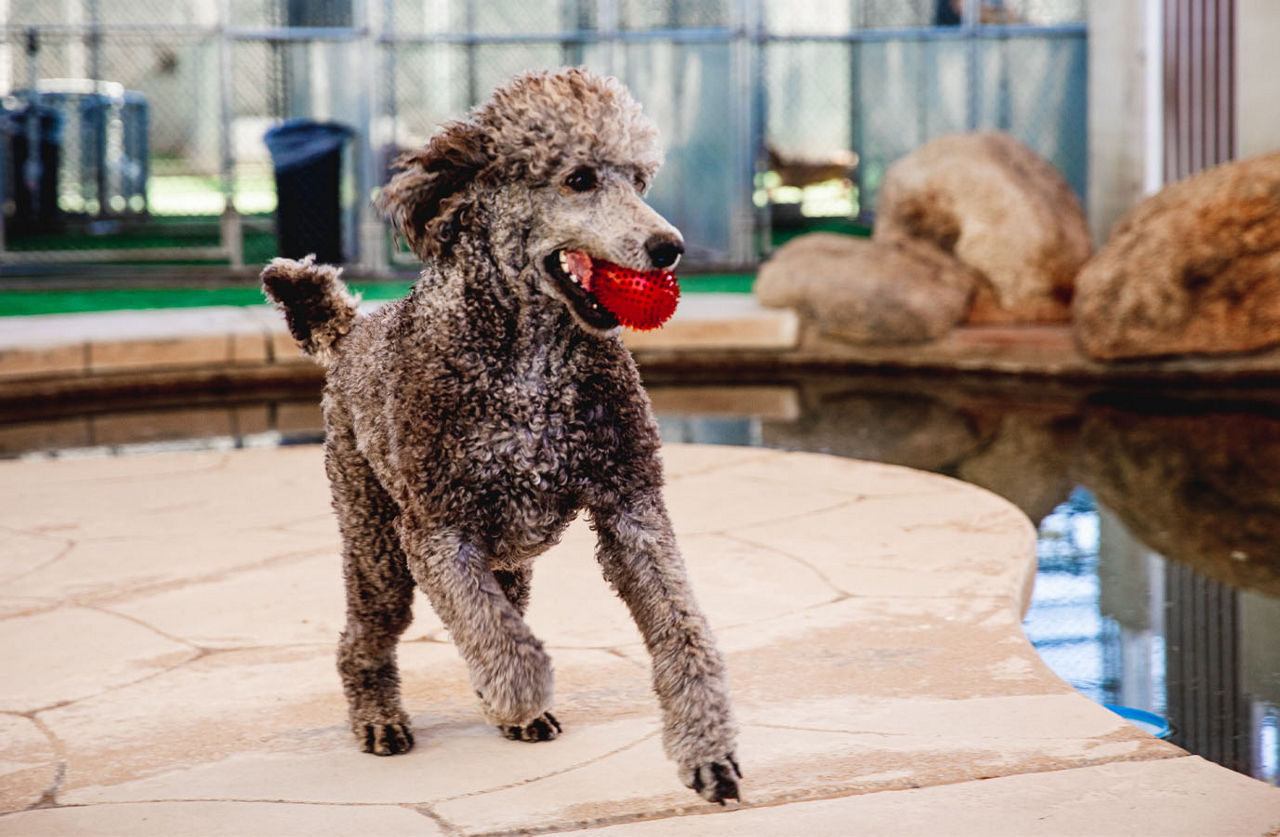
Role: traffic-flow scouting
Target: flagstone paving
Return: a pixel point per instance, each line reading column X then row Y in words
column 167, row 625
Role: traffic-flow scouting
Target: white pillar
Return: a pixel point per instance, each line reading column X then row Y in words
column 77, row 57
column 1153, row 97
column 1121, row 67
column 1257, row 77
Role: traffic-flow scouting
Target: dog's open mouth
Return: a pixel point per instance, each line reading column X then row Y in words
column 605, row 294
column 572, row 270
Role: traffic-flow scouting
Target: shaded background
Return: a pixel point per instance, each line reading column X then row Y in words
column 772, row 112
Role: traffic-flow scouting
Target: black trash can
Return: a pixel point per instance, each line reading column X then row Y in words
column 31, row 175
column 307, row 157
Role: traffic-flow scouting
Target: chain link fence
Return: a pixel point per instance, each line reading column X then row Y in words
column 858, row 85
column 135, row 130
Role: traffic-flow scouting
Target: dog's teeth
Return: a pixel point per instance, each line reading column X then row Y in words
column 564, row 262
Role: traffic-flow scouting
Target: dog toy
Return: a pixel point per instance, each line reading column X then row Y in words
column 642, row 300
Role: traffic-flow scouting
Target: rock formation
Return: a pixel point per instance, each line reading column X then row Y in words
column 1192, row 269
column 866, row 291
column 999, row 208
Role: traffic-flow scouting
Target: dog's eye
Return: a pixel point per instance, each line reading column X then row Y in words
column 641, row 184
column 582, row 179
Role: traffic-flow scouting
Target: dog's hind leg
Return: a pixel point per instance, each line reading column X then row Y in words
column 509, row 669
column 379, row 599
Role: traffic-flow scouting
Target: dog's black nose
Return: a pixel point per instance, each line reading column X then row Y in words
column 664, row 250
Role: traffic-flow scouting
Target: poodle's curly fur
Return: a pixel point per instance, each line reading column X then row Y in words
column 467, row 424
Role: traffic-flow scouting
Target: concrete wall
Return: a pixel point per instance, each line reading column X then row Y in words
column 1257, row 77
column 1117, row 108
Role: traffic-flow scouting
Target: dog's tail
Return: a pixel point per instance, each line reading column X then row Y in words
column 316, row 303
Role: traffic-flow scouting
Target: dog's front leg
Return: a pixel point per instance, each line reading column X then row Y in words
column 509, row 669
column 637, row 550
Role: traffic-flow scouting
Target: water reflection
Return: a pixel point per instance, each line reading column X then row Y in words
column 1196, row 482
column 1159, row 513
column 140, row 424
column 1126, row 626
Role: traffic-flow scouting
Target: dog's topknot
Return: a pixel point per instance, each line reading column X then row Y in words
column 543, row 121
column 528, row 130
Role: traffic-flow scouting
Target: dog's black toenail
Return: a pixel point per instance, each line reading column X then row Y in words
column 725, row 786
column 401, row 739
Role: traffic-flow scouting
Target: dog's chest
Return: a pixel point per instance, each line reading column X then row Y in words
column 522, row 468
column 525, row 450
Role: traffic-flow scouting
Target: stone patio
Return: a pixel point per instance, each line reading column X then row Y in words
column 167, row 626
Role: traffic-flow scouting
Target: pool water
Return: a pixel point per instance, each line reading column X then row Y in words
column 1129, row 628
column 1158, row 588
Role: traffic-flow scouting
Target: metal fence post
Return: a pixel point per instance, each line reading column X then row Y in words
column 763, row 224
column 94, row 37
column 746, row 79
column 969, row 23
column 607, row 31
column 469, row 18
column 372, row 242
column 230, row 230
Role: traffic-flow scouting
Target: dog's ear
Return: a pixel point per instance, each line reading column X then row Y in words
column 425, row 200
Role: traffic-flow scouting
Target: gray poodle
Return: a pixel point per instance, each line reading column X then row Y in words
column 467, row 424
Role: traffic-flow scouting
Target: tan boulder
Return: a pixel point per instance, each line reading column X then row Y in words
column 866, row 291
column 999, row 208
column 1194, row 268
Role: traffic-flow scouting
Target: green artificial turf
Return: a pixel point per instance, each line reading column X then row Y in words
column 779, row 236
column 22, row 303
column 18, row 303
column 259, row 246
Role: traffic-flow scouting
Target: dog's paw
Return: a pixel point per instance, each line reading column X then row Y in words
column 387, row 739
column 716, row 781
column 543, row 728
